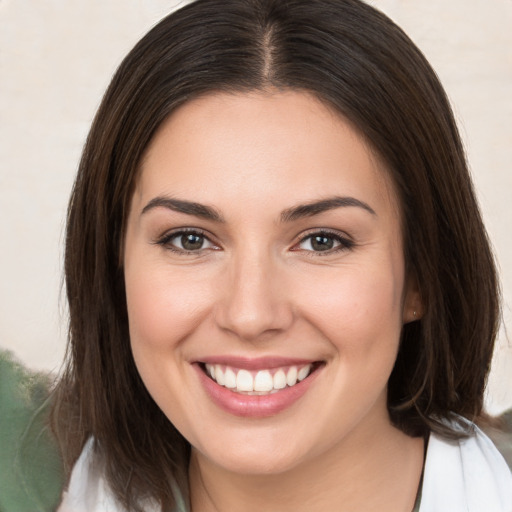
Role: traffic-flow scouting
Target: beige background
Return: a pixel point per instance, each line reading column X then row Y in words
column 56, row 58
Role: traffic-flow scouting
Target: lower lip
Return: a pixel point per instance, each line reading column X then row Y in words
column 254, row 406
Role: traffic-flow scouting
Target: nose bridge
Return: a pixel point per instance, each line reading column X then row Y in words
column 255, row 300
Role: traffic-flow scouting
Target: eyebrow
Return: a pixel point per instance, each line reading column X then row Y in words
column 182, row 206
column 317, row 207
column 290, row 214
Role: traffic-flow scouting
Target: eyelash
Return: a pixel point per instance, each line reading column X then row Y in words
column 165, row 241
column 345, row 244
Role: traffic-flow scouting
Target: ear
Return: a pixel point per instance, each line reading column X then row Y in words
column 413, row 304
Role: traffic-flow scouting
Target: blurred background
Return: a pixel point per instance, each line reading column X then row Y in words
column 56, row 59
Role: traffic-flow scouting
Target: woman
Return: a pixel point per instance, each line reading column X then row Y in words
column 281, row 293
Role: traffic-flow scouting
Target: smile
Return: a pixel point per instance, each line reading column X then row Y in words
column 256, row 388
column 261, row 382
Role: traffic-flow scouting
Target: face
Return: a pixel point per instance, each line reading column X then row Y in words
column 265, row 280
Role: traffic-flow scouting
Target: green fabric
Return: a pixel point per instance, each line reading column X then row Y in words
column 31, row 474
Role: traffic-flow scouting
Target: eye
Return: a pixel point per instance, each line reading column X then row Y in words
column 324, row 242
column 186, row 241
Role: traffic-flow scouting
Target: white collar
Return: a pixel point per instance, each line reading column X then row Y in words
column 468, row 475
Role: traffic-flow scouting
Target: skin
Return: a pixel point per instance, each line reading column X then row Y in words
column 258, row 288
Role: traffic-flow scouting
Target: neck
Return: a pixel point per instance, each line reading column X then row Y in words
column 366, row 471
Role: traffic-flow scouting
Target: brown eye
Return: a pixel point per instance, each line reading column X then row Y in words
column 191, row 241
column 324, row 242
column 186, row 242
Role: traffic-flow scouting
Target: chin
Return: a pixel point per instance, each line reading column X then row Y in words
column 256, row 456
column 257, row 465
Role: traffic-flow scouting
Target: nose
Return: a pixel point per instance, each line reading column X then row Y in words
column 254, row 301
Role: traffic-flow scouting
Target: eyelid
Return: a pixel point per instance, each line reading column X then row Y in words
column 164, row 240
column 346, row 242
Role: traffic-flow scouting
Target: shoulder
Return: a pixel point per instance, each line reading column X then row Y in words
column 88, row 490
column 467, row 475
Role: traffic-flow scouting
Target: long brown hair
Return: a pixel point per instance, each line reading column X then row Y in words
column 359, row 62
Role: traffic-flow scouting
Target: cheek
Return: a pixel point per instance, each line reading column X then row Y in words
column 358, row 309
column 163, row 306
column 164, row 309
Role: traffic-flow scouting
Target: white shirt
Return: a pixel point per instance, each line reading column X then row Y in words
column 468, row 475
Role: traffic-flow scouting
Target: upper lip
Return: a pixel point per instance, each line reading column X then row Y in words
column 255, row 363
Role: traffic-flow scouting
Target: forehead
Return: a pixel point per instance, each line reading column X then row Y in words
column 261, row 145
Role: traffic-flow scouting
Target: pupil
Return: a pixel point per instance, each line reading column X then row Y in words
column 322, row 243
column 191, row 242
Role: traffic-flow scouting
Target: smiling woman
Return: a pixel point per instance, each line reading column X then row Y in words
column 281, row 292
column 280, row 310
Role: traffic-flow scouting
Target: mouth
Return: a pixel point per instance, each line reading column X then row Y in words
column 256, row 388
column 260, row 382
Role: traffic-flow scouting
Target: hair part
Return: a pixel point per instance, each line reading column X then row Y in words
column 357, row 61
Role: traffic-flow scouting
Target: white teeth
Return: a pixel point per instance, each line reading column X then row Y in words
column 279, row 380
column 263, row 381
column 291, row 376
column 219, row 375
column 230, row 378
column 303, row 372
column 243, row 381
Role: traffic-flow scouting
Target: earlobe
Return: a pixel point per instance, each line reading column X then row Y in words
column 412, row 313
column 413, row 304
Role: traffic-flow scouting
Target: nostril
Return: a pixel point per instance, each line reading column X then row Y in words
column 253, row 303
